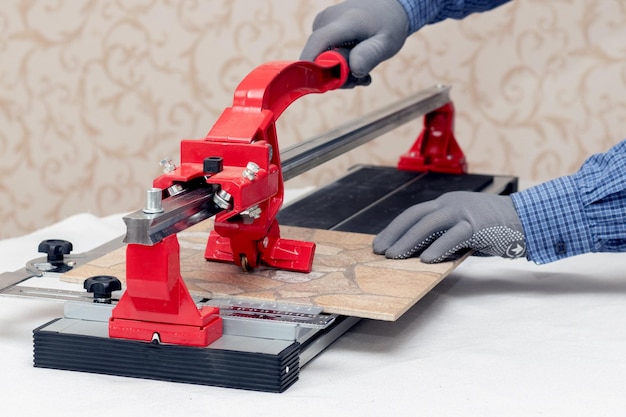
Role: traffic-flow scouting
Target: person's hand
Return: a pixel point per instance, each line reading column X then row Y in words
column 441, row 229
column 375, row 30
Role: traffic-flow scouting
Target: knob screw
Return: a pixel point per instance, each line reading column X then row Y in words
column 55, row 249
column 102, row 287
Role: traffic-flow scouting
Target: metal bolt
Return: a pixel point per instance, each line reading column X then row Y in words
column 252, row 212
column 222, row 199
column 251, row 170
column 175, row 189
column 167, row 164
column 154, row 201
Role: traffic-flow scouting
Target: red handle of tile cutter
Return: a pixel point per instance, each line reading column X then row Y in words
column 275, row 85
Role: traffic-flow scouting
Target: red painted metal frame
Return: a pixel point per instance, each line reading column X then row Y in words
column 156, row 301
column 436, row 148
column 157, row 304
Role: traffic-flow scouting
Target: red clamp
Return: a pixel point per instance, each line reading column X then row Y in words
column 240, row 155
column 436, row 149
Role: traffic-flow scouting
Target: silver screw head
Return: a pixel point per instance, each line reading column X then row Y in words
column 167, row 164
column 251, row 170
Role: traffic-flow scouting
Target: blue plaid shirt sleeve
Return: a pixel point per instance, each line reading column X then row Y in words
column 424, row 12
column 583, row 212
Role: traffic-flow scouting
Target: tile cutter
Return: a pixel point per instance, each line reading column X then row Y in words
column 155, row 329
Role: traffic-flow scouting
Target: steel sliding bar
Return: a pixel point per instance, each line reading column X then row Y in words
column 304, row 156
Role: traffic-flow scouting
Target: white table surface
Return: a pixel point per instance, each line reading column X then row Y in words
column 495, row 338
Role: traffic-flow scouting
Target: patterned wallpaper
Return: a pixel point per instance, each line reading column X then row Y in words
column 94, row 93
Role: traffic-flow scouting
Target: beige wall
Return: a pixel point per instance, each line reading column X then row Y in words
column 94, row 93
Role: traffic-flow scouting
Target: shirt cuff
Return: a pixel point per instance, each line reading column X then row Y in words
column 424, row 12
column 554, row 222
column 420, row 13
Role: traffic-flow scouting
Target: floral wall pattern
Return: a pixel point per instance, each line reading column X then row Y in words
column 94, row 93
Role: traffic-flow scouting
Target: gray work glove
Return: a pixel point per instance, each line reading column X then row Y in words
column 440, row 229
column 376, row 28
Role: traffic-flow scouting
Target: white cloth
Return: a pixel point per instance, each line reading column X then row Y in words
column 495, row 338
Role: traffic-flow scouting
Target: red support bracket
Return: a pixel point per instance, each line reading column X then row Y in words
column 436, row 148
column 156, row 305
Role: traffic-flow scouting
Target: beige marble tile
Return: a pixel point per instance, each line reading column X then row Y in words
column 347, row 277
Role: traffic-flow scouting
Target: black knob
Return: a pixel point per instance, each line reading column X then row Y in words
column 55, row 248
column 102, row 286
column 213, row 164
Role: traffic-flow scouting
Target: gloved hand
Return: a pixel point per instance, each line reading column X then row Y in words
column 377, row 27
column 453, row 223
